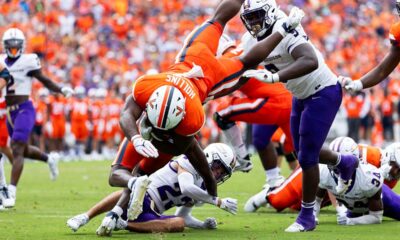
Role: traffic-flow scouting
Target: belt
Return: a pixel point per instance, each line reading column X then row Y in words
column 13, row 107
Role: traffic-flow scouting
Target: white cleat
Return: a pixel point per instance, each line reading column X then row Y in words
column 295, row 227
column 342, row 186
column 244, row 164
column 108, row 224
column 121, row 224
column 53, row 167
column 78, row 221
column 7, row 200
column 256, row 201
column 135, row 206
column 273, row 183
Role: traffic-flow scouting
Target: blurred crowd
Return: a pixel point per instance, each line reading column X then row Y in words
column 100, row 47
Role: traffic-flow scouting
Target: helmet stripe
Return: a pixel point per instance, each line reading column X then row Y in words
column 162, row 109
column 171, row 94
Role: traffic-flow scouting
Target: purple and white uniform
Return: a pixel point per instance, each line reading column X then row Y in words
column 367, row 181
column 164, row 192
column 317, row 95
column 21, row 117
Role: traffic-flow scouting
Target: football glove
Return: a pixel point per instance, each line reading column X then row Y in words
column 67, row 91
column 262, row 75
column 229, row 205
column 144, row 147
column 294, row 19
column 350, row 85
column 210, row 223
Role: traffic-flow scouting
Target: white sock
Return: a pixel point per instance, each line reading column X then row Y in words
column 273, row 173
column 234, row 136
column 2, row 174
column 12, row 190
column 118, row 210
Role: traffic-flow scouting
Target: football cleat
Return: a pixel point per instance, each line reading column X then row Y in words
column 295, row 227
column 244, row 164
column 256, row 201
column 7, row 200
column 121, row 224
column 108, row 224
column 53, row 167
column 138, row 192
column 78, row 221
column 273, row 183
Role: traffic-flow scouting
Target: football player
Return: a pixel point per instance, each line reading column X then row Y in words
column 384, row 68
column 317, row 96
column 20, row 112
column 176, row 184
column 288, row 195
column 267, row 107
column 170, row 103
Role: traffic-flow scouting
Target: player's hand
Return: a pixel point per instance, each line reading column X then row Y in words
column 210, row 223
column 294, row 19
column 350, row 85
column 262, row 75
column 108, row 224
column 144, row 147
column 229, row 205
column 67, row 91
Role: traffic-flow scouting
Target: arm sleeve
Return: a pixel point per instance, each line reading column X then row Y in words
column 188, row 188
column 190, row 221
column 371, row 218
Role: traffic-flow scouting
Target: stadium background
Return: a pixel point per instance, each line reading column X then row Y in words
column 106, row 45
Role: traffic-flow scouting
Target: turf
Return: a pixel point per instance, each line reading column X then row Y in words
column 44, row 206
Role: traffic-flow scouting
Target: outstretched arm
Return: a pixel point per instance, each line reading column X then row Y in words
column 47, row 82
column 384, row 68
column 226, row 10
column 185, row 212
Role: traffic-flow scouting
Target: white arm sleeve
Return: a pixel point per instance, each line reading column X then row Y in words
column 371, row 218
column 188, row 188
column 190, row 221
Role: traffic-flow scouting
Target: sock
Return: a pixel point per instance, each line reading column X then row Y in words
column 307, row 209
column 118, row 210
column 12, row 190
column 273, row 173
column 234, row 136
column 2, row 174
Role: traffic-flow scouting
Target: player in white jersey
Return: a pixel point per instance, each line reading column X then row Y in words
column 20, row 111
column 176, row 184
column 317, row 98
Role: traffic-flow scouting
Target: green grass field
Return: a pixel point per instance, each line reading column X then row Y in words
column 43, row 208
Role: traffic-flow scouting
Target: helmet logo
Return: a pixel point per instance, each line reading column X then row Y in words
column 179, row 110
column 151, row 102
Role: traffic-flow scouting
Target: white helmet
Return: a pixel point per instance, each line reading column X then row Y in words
column 391, row 154
column 166, row 107
column 13, row 42
column 225, row 42
column 220, row 155
column 345, row 145
column 258, row 16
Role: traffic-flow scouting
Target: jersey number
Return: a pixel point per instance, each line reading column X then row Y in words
column 375, row 181
column 163, row 192
column 10, row 84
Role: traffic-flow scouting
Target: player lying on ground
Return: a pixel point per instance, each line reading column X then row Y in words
column 384, row 68
column 170, row 103
column 22, row 68
column 288, row 195
column 176, row 184
column 317, row 96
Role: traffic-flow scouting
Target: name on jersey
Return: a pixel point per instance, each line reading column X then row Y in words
column 268, row 59
column 182, row 83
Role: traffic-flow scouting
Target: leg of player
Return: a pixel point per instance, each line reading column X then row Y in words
column 233, row 134
column 35, row 153
column 391, row 203
column 170, row 224
column 5, row 200
column 7, row 151
column 106, row 204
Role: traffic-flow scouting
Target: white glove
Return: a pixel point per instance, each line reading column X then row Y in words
column 144, row 147
column 229, row 205
column 210, row 223
column 262, row 75
column 294, row 19
column 350, row 85
column 67, row 91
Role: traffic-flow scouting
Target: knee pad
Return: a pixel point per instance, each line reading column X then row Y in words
column 223, row 123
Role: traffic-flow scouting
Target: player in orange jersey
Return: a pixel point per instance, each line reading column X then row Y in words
column 384, row 68
column 267, row 107
column 80, row 114
column 288, row 195
column 56, row 126
column 165, row 110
